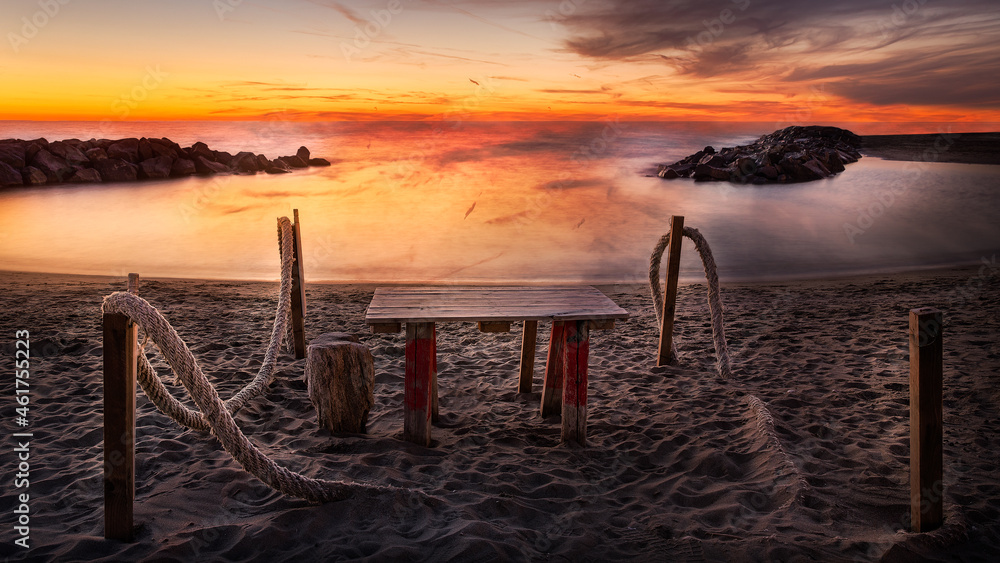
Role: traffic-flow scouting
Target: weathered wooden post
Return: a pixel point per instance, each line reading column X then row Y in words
column 552, row 386
column 298, row 292
column 340, row 381
column 420, row 361
column 926, row 433
column 120, row 356
column 527, row 368
column 575, row 355
column 665, row 352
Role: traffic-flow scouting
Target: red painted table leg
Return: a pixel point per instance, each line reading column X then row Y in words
column 554, row 363
column 417, row 404
column 574, row 409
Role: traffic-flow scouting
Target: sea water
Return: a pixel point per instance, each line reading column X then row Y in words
column 477, row 202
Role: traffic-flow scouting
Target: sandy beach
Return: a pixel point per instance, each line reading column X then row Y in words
column 680, row 465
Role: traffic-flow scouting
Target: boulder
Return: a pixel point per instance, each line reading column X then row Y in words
column 54, row 168
column 183, row 167
column 85, row 176
column 668, row 173
column 32, row 148
column 707, row 172
column 262, row 162
column 115, row 169
column 156, row 168
column 223, row 157
column 245, row 162
column 145, row 149
column 202, row 150
column 277, row 166
column 303, row 154
column 10, row 176
column 125, row 149
column 95, row 154
column 715, row 160
column 13, row 155
column 293, row 161
column 206, row 166
column 340, row 379
column 33, row 176
column 318, row 162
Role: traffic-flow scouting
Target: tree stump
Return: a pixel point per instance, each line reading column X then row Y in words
column 340, row 375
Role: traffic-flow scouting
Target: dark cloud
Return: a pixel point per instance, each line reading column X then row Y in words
column 904, row 51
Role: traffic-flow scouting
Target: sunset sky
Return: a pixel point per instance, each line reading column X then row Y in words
column 732, row 60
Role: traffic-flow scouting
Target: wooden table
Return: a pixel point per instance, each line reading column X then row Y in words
column 573, row 310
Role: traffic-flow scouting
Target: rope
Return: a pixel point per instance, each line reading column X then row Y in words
column 723, row 363
column 216, row 415
column 765, row 425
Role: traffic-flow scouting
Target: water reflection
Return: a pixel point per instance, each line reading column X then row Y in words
column 474, row 202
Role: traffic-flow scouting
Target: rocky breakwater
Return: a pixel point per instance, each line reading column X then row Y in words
column 29, row 163
column 792, row 154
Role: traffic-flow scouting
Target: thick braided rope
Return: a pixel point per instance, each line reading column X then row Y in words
column 152, row 385
column 765, row 425
column 722, row 363
column 215, row 413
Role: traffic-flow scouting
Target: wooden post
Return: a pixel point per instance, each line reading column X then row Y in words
column 298, row 292
column 926, row 458
column 527, row 369
column 120, row 356
column 554, row 365
column 665, row 352
column 434, row 375
column 417, row 385
column 574, row 409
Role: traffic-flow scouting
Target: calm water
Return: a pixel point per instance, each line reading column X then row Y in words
column 497, row 202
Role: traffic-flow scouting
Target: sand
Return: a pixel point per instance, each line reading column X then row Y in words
column 679, row 466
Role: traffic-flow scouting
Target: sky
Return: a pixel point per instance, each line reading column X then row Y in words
column 670, row 60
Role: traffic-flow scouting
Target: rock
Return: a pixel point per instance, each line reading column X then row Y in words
column 340, row 378
column 95, row 154
column 303, row 154
column 33, row 176
column 13, row 155
column 277, row 166
column 202, row 150
column 293, row 161
column 262, row 162
column 206, row 166
column 183, row 167
column 54, row 168
column 793, row 154
column 10, row 176
column 708, row 172
column 85, row 176
column 318, row 162
column 224, row 157
column 716, row 160
column 156, row 168
column 125, row 149
column 115, row 169
column 245, row 162
column 32, row 148
column 145, row 149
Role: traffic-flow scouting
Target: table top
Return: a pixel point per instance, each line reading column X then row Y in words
column 490, row 303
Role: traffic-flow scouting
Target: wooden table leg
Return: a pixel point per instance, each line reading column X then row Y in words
column 417, row 384
column 574, row 409
column 434, row 375
column 528, row 342
column 554, row 364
